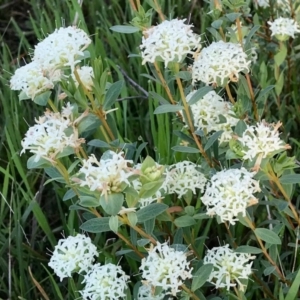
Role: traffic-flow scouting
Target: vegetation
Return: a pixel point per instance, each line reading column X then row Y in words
column 33, row 214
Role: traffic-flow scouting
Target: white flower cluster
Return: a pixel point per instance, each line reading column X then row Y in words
column 229, row 193
column 229, row 267
column 283, row 28
column 32, row 80
column 52, row 134
column 86, row 75
column 169, row 41
column 184, row 176
column 60, row 49
column 73, row 254
column 110, row 174
column 283, row 5
column 220, row 62
column 206, row 114
column 179, row 179
column 104, row 282
column 166, row 268
column 261, row 140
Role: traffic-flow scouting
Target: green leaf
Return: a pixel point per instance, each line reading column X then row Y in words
column 23, row 96
column 279, row 84
column 69, row 195
column 158, row 97
column 114, row 223
column 232, row 16
column 213, row 139
column 290, row 179
column 98, row 144
column 112, row 203
column 151, row 211
column 201, row 276
column 184, row 75
column 150, row 188
column 280, row 57
column 127, row 29
column 269, row 270
column 112, row 94
column 166, row 108
column 248, row 249
column 42, row 99
column 90, row 122
column 88, row 201
column 184, row 221
column 264, row 93
column 66, row 152
column 240, row 127
column 185, row 149
column 294, row 289
column 41, row 163
column 268, row 236
column 132, row 217
column 217, row 24
column 96, row 225
column 199, row 94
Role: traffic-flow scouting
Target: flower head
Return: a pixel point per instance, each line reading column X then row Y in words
column 109, row 175
column 63, row 47
column 229, row 193
column 284, row 28
column 206, row 114
column 165, row 267
column 86, row 75
column 229, row 267
column 104, row 283
column 261, row 140
column 220, row 62
column 32, row 80
column 52, row 134
column 73, row 254
column 169, row 41
column 184, row 176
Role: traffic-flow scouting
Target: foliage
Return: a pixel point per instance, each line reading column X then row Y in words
column 142, row 117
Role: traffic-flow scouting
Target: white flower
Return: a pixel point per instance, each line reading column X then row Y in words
column 229, row 193
column 263, row 3
column 32, row 80
column 206, row 114
column 165, row 267
column 109, row 175
column 283, row 28
column 104, row 283
column 261, row 140
column 52, row 134
column 169, row 41
column 86, row 75
column 63, row 47
column 73, row 254
column 184, row 176
column 145, row 293
column 229, row 267
column 220, row 62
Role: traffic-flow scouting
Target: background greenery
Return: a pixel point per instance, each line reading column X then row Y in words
column 32, row 215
